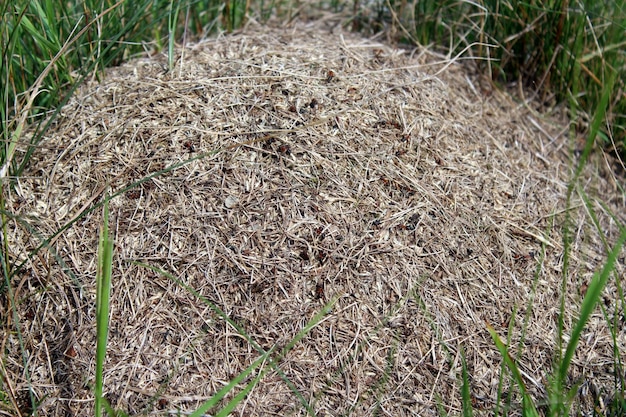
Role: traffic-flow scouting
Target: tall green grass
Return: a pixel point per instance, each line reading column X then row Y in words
column 48, row 46
column 562, row 51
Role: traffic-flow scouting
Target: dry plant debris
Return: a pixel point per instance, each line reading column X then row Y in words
column 322, row 165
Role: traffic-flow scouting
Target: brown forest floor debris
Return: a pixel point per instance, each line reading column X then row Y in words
column 387, row 178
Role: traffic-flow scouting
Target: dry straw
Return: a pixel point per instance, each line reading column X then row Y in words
column 391, row 178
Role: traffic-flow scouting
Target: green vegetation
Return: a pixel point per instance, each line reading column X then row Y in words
column 103, row 293
column 48, row 47
column 560, row 51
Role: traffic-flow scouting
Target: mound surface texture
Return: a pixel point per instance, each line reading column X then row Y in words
column 276, row 173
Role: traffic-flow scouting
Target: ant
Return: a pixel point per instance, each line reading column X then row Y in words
column 284, row 149
column 319, row 291
column 189, row 146
column 133, row 194
column 162, row 403
column 524, row 257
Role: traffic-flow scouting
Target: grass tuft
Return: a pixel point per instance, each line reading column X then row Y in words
column 103, row 292
column 558, row 51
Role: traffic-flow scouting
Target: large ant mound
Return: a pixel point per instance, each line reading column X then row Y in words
column 367, row 212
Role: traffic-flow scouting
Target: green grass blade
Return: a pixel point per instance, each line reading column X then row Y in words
column 103, row 291
column 592, row 296
column 242, row 395
column 598, row 119
column 213, row 401
column 172, row 20
column 466, row 396
column 224, row 412
column 273, row 362
column 527, row 403
column 305, row 330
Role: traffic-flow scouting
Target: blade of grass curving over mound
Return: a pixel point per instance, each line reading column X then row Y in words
column 594, row 291
column 273, row 362
column 103, row 292
column 213, row 401
column 528, row 407
column 318, row 317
